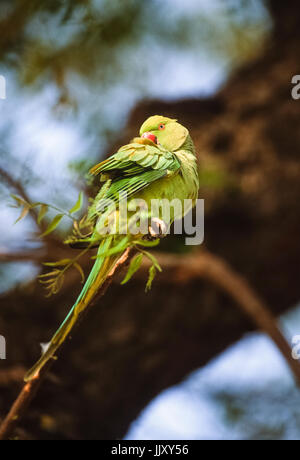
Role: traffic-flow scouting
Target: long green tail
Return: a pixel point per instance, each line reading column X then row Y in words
column 96, row 278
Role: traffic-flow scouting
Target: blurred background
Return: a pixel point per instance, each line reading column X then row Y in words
column 182, row 362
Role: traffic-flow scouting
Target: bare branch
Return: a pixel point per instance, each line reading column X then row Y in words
column 203, row 265
column 19, row 189
column 29, row 390
column 212, row 268
column 35, row 255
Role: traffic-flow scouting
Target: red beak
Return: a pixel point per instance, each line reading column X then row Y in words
column 150, row 136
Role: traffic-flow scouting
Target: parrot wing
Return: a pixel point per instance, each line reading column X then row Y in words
column 133, row 168
column 138, row 157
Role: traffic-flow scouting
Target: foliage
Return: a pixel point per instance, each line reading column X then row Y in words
column 53, row 280
column 82, row 232
column 137, row 261
column 52, row 40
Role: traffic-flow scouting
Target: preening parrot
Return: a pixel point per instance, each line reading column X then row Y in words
column 160, row 164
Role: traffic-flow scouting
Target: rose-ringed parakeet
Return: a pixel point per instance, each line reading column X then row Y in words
column 161, row 164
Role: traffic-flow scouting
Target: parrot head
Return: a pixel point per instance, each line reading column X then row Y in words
column 164, row 131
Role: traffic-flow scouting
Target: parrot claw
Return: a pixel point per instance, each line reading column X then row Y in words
column 157, row 229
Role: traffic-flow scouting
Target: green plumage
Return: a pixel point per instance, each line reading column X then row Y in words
column 140, row 170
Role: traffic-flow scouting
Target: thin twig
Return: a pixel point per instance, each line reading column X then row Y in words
column 17, row 187
column 13, row 183
column 29, row 390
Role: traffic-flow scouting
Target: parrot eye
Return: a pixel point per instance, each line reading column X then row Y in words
column 161, row 127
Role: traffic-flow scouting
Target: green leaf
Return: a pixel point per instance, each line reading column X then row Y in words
column 34, row 205
column 153, row 260
column 57, row 285
column 42, row 212
column 48, row 281
column 59, row 263
column 78, row 267
column 148, row 244
column 53, row 224
column 49, row 274
column 133, row 267
column 78, row 204
column 23, row 213
column 20, row 201
column 152, row 273
column 118, row 248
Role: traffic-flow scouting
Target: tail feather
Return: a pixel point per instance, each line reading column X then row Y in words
column 97, row 276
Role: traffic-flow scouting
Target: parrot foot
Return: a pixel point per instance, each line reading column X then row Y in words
column 157, row 229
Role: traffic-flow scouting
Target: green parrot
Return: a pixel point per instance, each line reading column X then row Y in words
column 161, row 164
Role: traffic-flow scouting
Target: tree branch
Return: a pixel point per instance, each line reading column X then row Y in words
column 35, row 255
column 29, row 390
column 201, row 265
column 214, row 269
column 18, row 187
